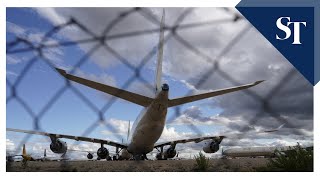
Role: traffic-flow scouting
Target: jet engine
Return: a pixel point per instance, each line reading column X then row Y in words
column 170, row 152
column 103, row 153
column 90, row 156
column 58, row 146
column 211, row 147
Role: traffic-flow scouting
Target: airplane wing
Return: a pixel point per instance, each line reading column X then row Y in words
column 196, row 140
column 77, row 138
column 120, row 93
column 216, row 138
column 188, row 99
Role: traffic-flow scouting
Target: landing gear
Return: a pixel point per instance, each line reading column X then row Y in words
column 145, row 157
column 109, row 158
column 140, row 157
column 160, row 155
column 137, row 157
column 117, row 157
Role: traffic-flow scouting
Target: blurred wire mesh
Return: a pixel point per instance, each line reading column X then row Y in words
column 22, row 45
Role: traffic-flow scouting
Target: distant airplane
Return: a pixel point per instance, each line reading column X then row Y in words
column 28, row 157
column 149, row 125
column 13, row 158
column 265, row 151
column 25, row 156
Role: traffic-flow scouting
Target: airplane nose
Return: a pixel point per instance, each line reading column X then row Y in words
column 165, row 87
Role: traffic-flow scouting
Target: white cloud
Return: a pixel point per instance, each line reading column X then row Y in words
column 15, row 29
column 10, row 146
column 170, row 134
column 119, row 126
column 51, row 15
column 11, row 73
column 13, row 60
column 54, row 55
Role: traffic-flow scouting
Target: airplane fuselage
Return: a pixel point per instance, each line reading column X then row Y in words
column 149, row 125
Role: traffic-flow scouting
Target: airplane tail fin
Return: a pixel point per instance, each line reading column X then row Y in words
column 24, row 151
column 128, row 132
column 160, row 55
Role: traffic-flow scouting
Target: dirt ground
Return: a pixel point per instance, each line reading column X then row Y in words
column 215, row 165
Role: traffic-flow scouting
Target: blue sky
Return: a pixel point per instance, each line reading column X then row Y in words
column 70, row 115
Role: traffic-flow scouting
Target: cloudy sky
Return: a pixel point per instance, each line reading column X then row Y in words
column 208, row 51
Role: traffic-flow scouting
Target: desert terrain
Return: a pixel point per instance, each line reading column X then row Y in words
column 215, row 165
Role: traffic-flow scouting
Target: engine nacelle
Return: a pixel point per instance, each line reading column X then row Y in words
column 102, row 153
column 90, row 156
column 211, row 147
column 58, row 146
column 170, row 152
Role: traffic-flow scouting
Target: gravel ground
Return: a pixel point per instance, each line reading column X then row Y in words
column 216, row 165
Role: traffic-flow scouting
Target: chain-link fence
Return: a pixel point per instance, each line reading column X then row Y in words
column 23, row 45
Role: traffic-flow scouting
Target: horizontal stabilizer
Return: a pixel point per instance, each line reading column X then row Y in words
column 120, row 93
column 188, row 99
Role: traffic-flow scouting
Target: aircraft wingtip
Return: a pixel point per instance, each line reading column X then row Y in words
column 258, row 82
column 281, row 126
column 61, row 71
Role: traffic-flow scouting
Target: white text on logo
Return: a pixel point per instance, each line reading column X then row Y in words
column 287, row 30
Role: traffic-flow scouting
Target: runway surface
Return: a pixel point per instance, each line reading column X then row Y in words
column 215, row 165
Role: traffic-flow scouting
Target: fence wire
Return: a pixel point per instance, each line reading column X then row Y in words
column 23, row 45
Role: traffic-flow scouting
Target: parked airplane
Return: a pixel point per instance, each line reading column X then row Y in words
column 25, row 156
column 13, row 158
column 149, row 125
column 28, row 157
column 268, row 151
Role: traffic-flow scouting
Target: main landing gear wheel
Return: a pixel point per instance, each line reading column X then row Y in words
column 140, row 157
column 108, row 158
column 114, row 158
column 145, row 157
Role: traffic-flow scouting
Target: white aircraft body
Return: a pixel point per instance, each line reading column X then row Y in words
column 254, row 151
column 149, row 125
